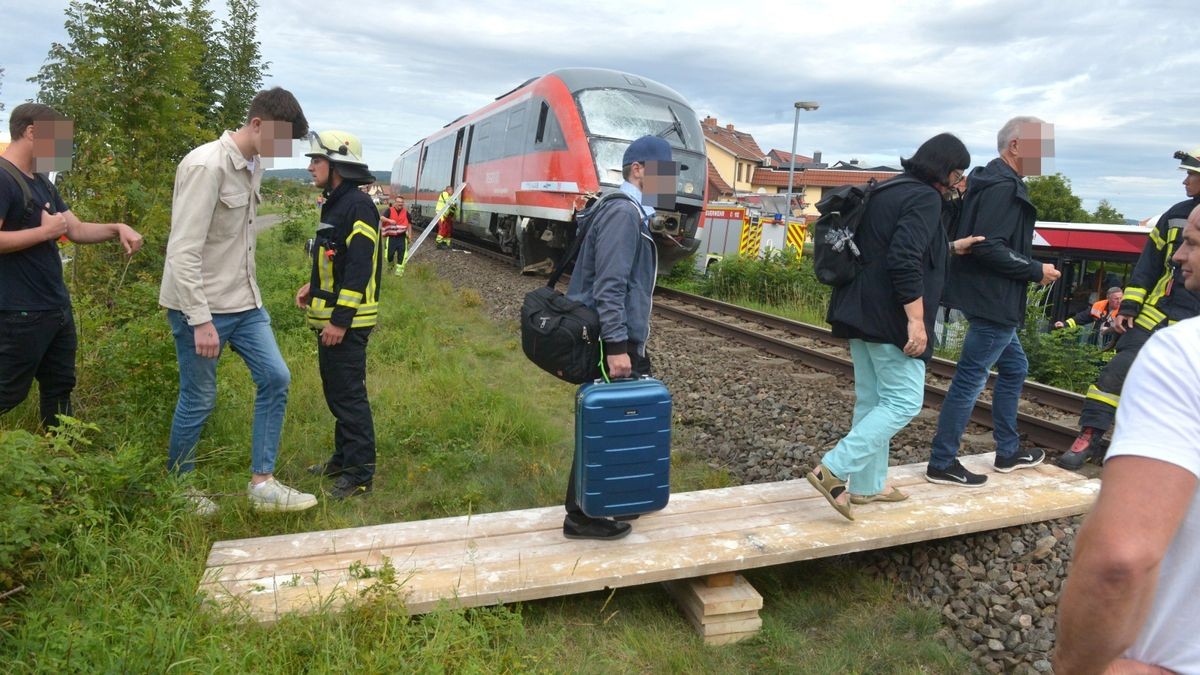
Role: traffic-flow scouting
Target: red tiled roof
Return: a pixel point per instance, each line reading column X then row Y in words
column 782, row 159
column 737, row 142
column 717, row 187
column 819, row 177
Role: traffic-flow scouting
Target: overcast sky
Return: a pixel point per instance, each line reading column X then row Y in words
column 1111, row 76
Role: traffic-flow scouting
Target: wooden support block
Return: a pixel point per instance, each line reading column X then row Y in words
column 729, row 638
column 720, row 580
column 717, row 613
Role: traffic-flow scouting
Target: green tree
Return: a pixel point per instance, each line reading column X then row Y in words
column 198, row 20
column 241, row 65
column 1054, row 199
column 1106, row 213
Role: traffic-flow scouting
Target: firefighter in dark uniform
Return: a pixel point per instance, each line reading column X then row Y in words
column 1154, row 298
column 342, row 302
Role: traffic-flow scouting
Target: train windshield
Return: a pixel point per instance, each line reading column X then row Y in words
column 615, row 117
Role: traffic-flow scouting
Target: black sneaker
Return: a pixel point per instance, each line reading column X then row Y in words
column 1024, row 459
column 955, row 475
column 324, row 469
column 576, row 527
column 345, row 487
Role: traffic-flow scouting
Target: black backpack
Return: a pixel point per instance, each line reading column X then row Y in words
column 562, row 336
column 31, row 205
column 836, row 256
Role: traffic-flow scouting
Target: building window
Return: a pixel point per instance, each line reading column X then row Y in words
column 739, row 172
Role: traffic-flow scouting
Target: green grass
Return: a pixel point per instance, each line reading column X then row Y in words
column 464, row 424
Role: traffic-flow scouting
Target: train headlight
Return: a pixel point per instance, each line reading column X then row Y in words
column 688, row 188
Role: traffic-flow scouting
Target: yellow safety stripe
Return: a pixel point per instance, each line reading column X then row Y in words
column 349, row 298
column 1071, row 322
column 1157, row 239
column 1104, row 397
column 1150, row 317
column 1135, row 294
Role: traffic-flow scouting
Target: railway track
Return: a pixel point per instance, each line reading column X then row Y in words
column 816, row 347
column 829, row 354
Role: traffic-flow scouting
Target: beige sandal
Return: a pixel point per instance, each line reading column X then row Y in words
column 893, row 495
column 832, row 488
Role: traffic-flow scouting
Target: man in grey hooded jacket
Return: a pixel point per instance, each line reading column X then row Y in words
column 615, row 274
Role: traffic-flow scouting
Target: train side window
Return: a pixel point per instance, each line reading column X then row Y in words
column 514, row 136
column 482, row 145
column 549, row 133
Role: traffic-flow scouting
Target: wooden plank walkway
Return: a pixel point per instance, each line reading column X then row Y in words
column 512, row 556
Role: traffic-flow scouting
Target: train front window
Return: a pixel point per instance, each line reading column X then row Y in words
column 615, row 117
column 625, row 114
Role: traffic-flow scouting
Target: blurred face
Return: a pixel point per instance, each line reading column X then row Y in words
column 399, row 203
column 952, row 182
column 271, row 138
column 658, row 184
column 319, row 168
column 1114, row 298
column 1034, row 144
column 1191, row 183
column 1188, row 255
column 53, row 145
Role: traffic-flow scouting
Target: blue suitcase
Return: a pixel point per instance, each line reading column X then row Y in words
column 622, row 447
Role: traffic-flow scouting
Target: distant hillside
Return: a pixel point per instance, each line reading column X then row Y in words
column 384, row 177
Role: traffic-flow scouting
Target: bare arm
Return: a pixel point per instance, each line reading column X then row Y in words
column 92, row 233
column 53, row 226
column 1117, row 556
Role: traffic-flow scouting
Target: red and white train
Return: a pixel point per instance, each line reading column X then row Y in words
column 534, row 156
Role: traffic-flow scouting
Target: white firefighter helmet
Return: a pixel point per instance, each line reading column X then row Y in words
column 1189, row 161
column 344, row 151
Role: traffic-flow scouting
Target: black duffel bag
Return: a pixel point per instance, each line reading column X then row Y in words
column 562, row 336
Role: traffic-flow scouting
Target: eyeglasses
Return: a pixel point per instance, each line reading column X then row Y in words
column 956, row 177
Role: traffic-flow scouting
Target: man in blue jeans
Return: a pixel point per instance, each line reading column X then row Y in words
column 212, row 298
column 989, row 287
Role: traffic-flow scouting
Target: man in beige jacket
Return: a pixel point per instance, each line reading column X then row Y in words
column 212, row 298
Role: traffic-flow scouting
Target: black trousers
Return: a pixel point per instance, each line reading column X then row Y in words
column 1096, row 412
column 396, row 246
column 641, row 366
column 38, row 345
column 344, row 381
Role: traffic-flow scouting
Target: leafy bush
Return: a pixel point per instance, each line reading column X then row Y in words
column 52, row 487
column 1060, row 358
column 299, row 218
column 777, row 278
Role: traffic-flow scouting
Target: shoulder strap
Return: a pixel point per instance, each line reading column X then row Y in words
column 579, row 236
column 19, row 177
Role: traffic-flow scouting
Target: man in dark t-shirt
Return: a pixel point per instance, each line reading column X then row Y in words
column 37, row 329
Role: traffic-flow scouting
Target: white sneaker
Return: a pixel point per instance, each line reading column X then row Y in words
column 272, row 495
column 201, row 505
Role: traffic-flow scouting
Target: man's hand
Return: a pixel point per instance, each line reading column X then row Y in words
column 130, row 239
column 963, row 246
column 619, row 365
column 332, row 335
column 303, row 297
column 1049, row 274
column 1131, row 667
column 1122, row 323
column 54, row 225
column 208, row 343
column 916, row 338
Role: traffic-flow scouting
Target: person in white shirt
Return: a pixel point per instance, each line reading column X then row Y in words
column 1129, row 605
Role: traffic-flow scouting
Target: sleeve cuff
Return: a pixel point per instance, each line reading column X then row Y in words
column 616, row 347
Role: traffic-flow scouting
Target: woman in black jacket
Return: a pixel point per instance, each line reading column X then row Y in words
column 887, row 313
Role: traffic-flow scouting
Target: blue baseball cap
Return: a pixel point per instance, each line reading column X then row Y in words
column 647, row 149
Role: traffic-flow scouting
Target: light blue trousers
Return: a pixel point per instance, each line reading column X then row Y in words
column 888, row 388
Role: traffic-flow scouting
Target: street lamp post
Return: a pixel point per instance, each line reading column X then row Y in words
column 800, row 105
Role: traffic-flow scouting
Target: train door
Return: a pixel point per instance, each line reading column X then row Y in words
column 459, row 161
